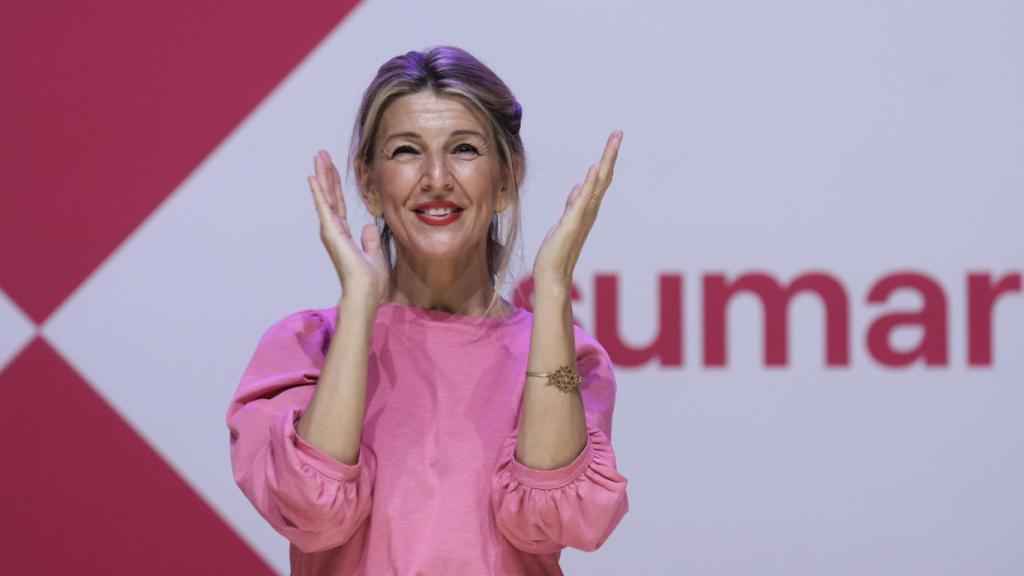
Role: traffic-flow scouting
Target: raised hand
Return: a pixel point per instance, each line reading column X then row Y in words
column 561, row 248
column 360, row 271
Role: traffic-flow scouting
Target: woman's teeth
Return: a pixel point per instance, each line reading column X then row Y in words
column 438, row 211
column 439, row 216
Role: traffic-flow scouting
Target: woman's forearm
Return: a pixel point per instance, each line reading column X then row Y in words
column 333, row 421
column 552, row 429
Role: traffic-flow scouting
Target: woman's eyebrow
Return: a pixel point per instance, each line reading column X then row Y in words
column 413, row 135
column 465, row 132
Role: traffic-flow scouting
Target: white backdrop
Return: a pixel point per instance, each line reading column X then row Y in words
column 856, row 139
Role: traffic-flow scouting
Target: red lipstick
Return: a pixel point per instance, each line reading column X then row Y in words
column 445, row 211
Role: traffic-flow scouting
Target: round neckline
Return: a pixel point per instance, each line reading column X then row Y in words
column 450, row 318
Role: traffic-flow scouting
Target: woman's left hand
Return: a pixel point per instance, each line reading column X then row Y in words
column 561, row 248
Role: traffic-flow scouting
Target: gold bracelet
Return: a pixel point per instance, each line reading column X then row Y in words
column 565, row 378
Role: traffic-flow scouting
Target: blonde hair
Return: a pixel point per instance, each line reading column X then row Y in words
column 450, row 71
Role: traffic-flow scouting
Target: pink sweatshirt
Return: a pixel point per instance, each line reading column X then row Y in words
column 436, row 488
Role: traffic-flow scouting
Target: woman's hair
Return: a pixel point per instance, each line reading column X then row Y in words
column 450, row 71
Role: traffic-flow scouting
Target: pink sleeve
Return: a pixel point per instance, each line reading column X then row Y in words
column 313, row 500
column 578, row 505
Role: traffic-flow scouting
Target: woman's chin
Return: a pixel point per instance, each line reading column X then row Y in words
column 440, row 252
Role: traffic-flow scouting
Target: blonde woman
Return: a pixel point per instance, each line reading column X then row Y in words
column 425, row 425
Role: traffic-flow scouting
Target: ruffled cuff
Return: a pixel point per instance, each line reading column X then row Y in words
column 577, row 505
column 555, row 477
column 315, row 501
column 315, row 458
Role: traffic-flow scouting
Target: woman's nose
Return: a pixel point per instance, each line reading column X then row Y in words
column 437, row 173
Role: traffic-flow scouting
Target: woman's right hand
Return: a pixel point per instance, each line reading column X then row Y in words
column 362, row 272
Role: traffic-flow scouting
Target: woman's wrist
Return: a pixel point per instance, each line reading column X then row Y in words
column 551, row 289
column 359, row 305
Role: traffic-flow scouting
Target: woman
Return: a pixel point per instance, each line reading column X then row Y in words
column 425, row 425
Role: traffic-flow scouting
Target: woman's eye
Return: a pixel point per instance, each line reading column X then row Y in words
column 403, row 150
column 466, row 148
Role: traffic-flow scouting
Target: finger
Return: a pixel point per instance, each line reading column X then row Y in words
column 332, row 171
column 573, row 194
column 605, row 167
column 608, row 158
column 322, row 209
column 329, row 222
column 589, row 191
column 335, row 180
column 580, row 198
column 371, row 240
column 372, row 245
column 320, row 166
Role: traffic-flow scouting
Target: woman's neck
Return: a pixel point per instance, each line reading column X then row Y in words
column 459, row 287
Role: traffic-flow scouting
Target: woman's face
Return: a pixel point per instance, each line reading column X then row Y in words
column 435, row 149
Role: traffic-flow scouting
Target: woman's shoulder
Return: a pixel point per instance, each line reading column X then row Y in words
column 303, row 320
column 586, row 342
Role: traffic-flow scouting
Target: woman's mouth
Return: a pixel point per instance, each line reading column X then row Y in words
column 438, row 216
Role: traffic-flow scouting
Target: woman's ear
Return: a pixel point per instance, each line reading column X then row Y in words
column 503, row 200
column 505, row 192
column 366, row 189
